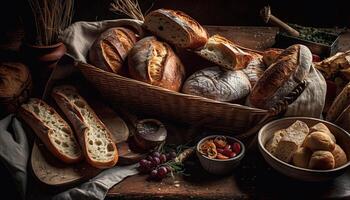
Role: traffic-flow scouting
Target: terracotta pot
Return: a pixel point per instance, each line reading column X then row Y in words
column 41, row 61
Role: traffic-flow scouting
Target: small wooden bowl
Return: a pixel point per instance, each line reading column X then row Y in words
column 216, row 166
column 342, row 137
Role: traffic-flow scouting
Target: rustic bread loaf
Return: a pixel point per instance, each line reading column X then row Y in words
column 111, row 48
column 254, row 70
column 94, row 137
column 291, row 141
column 319, row 141
column 225, row 53
column 302, row 157
column 320, row 127
column 322, row 160
column 271, row 145
column 218, row 84
column 341, row 102
column 15, row 86
column 154, row 62
column 291, row 67
column 52, row 130
column 270, row 55
column 176, row 28
column 340, row 157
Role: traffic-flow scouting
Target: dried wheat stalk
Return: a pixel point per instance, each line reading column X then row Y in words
column 51, row 17
column 130, row 8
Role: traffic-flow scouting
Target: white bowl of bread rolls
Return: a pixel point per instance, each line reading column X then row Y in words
column 305, row 148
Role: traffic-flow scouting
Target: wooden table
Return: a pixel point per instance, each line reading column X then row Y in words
column 252, row 179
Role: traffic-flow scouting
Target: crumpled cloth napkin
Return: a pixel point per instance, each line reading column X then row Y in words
column 98, row 187
column 14, row 151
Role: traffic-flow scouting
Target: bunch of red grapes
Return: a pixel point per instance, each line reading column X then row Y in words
column 156, row 165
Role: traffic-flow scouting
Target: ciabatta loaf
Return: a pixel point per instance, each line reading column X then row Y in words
column 176, row 28
column 52, row 130
column 94, row 137
column 225, row 53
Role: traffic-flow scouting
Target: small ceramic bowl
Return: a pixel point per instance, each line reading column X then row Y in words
column 216, row 166
column 266, row 132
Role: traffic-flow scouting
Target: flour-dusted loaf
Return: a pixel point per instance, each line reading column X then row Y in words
column 254, row 70
column 291, row 68
column 323, row 128
column 176, row 28
column 52, row 130
column 291, row 141
column 218, row 84
column 111, row 48
column 154, row 62
column 94, row 137
column 225, row 53
column 341, row 102
column 271, row 145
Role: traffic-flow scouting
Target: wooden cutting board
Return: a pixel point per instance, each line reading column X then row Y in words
column 51, row 171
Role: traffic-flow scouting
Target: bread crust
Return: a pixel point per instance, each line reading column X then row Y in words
column 43, row 131
column 291, row 67
column 82, row 128
column 111, row 48
column 154, row 62
column 196, row 35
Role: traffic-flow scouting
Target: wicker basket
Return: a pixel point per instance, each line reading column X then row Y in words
column 163, row 103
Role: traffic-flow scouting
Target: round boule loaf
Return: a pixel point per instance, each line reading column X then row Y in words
column 290, row 68
column 111, row 48
column 339, row 156
column 218, row 84
column 155, row 62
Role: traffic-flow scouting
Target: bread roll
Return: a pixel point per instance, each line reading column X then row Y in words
column 322, row 128
column 111, row 48
column 301, row 157
column 291, row 67
column 322, row 160
column 339, row 156
column 15, row 86
column 270, row 56
column 319, row 141
column 341, row 102
column 94, row 137
column 291, row 141
column 52, row 130
column 154, row 62
column 271, row 145
column 176, row 27
column 218, row 84
column 225, row 53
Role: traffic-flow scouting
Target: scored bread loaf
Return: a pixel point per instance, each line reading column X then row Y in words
column 279, row 80
column 254, row 70
column 94, row 137
column 218, row 84
column 176, row 27
column 225, row 53
column 52, row 130
column 341, row 102
column 291, row 141
column 111, row 48
column 270, row 55
column 155, row 62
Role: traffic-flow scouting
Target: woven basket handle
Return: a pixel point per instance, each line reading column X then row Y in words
column 277, row 111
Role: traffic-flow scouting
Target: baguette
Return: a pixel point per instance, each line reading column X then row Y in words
column 94, row 137
column 52, row 130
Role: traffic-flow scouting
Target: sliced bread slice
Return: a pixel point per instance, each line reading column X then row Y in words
column 52, row 130
column 94, row 137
